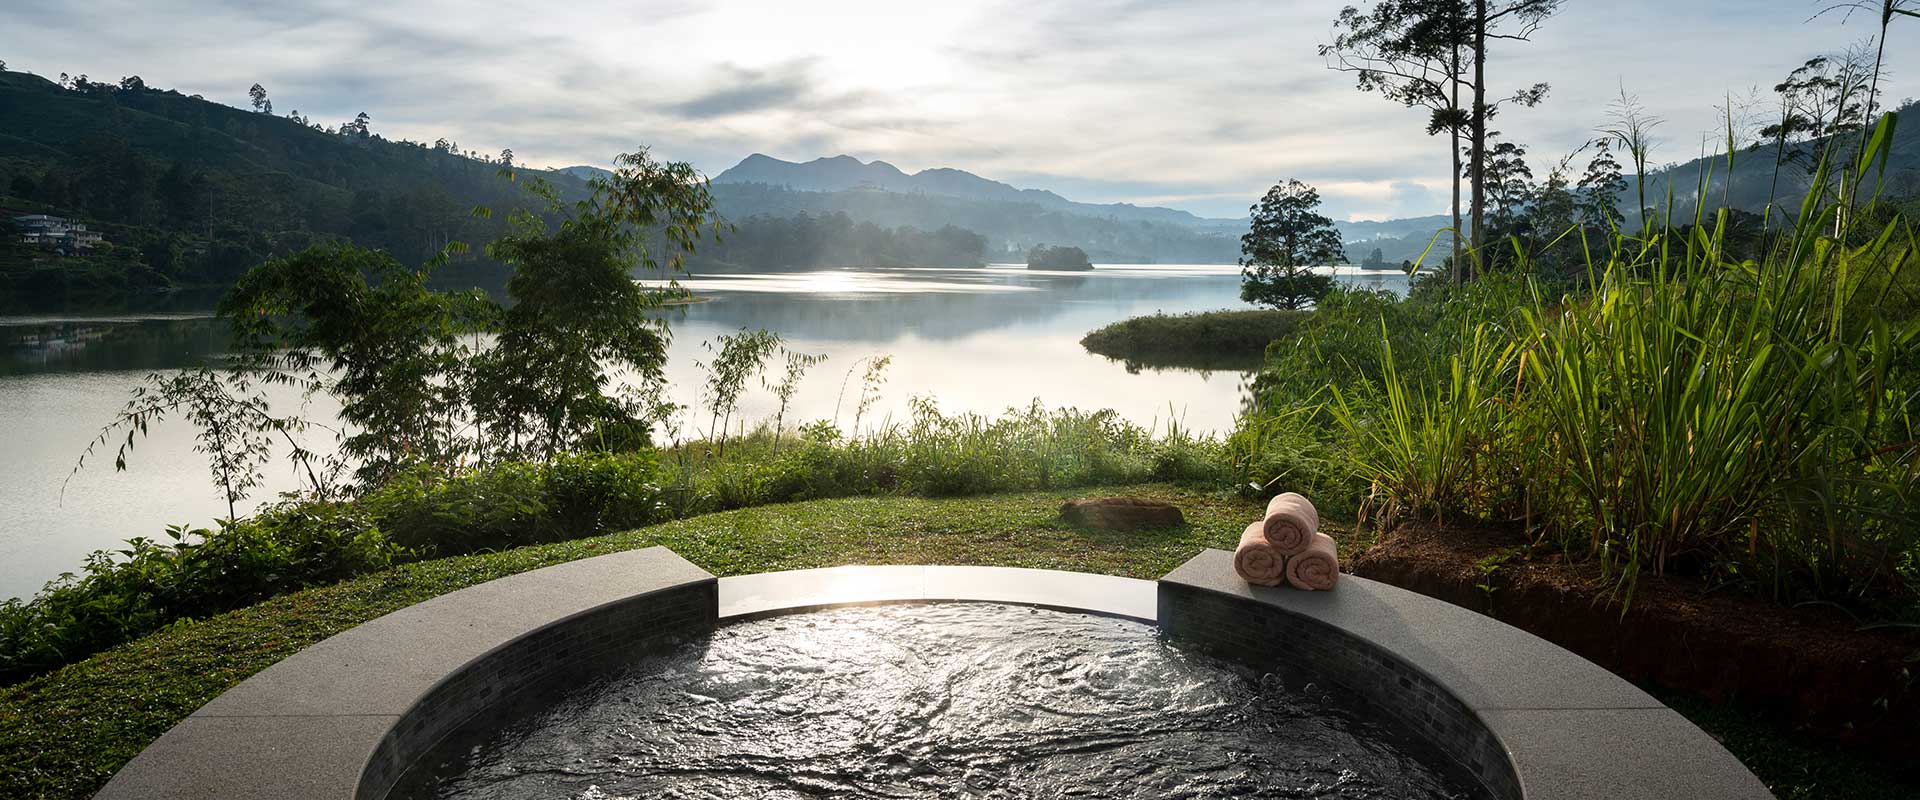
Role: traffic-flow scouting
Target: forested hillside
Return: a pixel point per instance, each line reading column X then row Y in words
column 843, row 172
column 191, row 192
column 1783, row 171
column 1765, row 167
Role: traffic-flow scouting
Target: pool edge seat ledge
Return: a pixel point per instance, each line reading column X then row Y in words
column 342, row 719
column 1522, row 716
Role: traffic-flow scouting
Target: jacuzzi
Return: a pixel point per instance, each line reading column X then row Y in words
column 637, row 674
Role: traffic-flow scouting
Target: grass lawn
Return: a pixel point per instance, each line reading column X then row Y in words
column 63, row 734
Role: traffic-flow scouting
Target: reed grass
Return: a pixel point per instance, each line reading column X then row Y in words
column 1750, row 422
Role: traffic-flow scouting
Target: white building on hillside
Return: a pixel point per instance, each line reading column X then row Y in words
column 59, row 233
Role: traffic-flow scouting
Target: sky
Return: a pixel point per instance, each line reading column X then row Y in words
column 1198, row 105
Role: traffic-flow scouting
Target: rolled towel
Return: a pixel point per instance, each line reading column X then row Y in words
column 1290, row 523
column 1316, row 567
column 1257, row 561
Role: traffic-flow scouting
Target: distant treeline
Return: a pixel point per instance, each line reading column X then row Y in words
column 835, row 240
column 1011, row 228
column 1062, row 257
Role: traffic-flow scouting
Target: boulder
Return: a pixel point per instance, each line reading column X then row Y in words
column 1122, row 513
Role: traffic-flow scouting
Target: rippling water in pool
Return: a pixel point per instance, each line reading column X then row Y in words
column 933, row 701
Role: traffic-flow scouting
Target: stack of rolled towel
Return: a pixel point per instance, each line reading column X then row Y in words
column 1286, row 546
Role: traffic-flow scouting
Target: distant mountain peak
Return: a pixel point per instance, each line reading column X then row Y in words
column 844, row 172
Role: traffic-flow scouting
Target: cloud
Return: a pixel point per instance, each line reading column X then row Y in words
column 1409, row 199
column 1200, row 105
column 749, row 90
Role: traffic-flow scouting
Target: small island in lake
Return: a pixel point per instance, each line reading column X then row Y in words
column 1063, row 257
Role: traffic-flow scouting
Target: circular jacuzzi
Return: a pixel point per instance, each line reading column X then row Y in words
column 927, row 701
column 637, row 674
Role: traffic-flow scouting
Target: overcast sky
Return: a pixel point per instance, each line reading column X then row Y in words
column 1195, row 105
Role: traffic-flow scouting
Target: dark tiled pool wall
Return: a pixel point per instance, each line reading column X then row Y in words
column 1302, row 650
column 577, row 646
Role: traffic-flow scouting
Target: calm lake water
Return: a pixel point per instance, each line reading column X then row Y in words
column 974, row 340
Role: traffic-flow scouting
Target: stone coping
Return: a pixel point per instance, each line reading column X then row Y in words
column 768, row 593
column 311, row 725
column 338, row 720
column 1568, row 728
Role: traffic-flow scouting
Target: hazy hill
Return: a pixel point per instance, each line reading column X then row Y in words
column 1012, row 220
column 1757, row 173
column 1753, row 172
column 843, row 173
column 1366, row 230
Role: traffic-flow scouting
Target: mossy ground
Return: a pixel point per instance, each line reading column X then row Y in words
column 64, row 733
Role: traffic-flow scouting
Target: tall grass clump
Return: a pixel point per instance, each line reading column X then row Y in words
column 1426, row 445
column 1752, row 418
column 1748, row 421
column 936, row 454
column 1365, row 355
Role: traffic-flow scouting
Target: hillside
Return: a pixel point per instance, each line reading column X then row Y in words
column 1010, row 228
column 190, row 192
column 1753, row 171
column 844, row 173
column 1754, row 179
column 1012, row 220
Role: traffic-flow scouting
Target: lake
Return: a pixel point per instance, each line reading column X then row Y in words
column 974, row 340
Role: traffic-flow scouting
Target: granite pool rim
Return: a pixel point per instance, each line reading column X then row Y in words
column 343, row 719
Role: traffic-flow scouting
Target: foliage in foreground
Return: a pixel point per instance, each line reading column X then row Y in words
column 426, row 512
column 1683, row 411
column 64, row 733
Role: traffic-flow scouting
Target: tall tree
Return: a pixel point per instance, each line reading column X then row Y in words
column 1288, row 238
column 260, row 101
column 1886, row 10
column 578, row 316
column 1412, row 52
column 1514, row 20
column 1826, row 96
column 1600, row 187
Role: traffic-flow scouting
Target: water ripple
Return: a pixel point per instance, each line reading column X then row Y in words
column 956, row 700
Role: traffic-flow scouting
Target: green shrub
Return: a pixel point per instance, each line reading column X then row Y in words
column 423, row 512
column 423, row 508
column 515, row 503
column 121, row 595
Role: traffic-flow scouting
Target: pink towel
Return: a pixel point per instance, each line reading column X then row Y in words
column 1291, row 523
column 1256, row 560
column 1316, row 567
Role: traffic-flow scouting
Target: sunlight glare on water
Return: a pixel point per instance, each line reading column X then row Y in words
column 974, row 340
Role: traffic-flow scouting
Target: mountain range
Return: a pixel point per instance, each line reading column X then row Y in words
column 189, row 192
column 846, row 173
column 879, row 191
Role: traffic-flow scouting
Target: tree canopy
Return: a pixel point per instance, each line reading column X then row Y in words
column 1289, row 237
